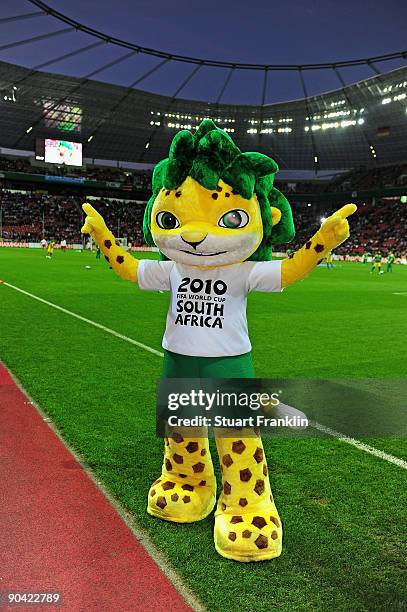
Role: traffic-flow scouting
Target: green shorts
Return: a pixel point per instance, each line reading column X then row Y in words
column 185, row 366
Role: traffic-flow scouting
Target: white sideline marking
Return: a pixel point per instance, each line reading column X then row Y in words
column 327, row 430
column 85, row 320
column 360, row 445
column 400, row 293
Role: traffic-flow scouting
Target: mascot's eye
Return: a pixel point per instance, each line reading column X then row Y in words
column 167, row 220
column 234, row 219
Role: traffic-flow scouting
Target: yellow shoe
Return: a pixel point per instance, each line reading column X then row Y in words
column 186, row 490
column 248, row 536
column 247, row 524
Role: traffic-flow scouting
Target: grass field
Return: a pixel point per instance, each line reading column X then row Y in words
column 343, row 509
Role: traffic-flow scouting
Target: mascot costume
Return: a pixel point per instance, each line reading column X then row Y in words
column 214, row 215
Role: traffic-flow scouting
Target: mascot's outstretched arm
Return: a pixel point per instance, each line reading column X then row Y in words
column 122, row 262
column 331, row 234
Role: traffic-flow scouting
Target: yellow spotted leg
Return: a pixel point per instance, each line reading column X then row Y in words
column 186, row 489
column 247, row 524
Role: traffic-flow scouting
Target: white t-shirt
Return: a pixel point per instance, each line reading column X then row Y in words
column 207, row 311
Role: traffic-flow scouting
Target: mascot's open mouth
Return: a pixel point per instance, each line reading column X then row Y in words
column 203, row 254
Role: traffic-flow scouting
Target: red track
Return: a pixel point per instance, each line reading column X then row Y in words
column 58, row 530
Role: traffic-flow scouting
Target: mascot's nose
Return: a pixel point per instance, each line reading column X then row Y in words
column 193, row 238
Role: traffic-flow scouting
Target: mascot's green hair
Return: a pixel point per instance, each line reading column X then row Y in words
column 209, row 155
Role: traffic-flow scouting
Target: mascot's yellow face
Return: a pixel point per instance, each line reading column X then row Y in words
column 197, row 227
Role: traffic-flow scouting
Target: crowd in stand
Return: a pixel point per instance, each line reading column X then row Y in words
column 302, row 187
column 26, row 216
column 370, row 178
column 29, row 217
column 137, row 179
column 357, row 180
column 363, row 179
column 378, row 225
column 125, row 219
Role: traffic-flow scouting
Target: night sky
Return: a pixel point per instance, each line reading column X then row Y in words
column 259, row 31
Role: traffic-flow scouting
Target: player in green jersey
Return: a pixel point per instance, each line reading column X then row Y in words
column 50, row 249
column 390, row 260
column 377, row 263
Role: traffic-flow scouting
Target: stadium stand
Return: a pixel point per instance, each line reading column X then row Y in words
column 29, row 217
column 359, row 179
column 356, row 180
column 139, row 179
column 378, row 225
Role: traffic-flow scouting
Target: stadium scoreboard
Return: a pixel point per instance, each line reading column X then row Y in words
column 60, row 152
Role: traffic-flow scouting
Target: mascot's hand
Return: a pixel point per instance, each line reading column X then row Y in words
column 333, row 232
column 336, row 228
column 122, row 262
column 94, row 222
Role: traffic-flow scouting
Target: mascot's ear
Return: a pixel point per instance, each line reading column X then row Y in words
column 275, row 215
column 284, row 231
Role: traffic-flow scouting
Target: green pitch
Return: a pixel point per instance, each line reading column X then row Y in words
column 342, row 508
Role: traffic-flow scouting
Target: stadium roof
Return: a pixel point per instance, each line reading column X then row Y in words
column 363, row 124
